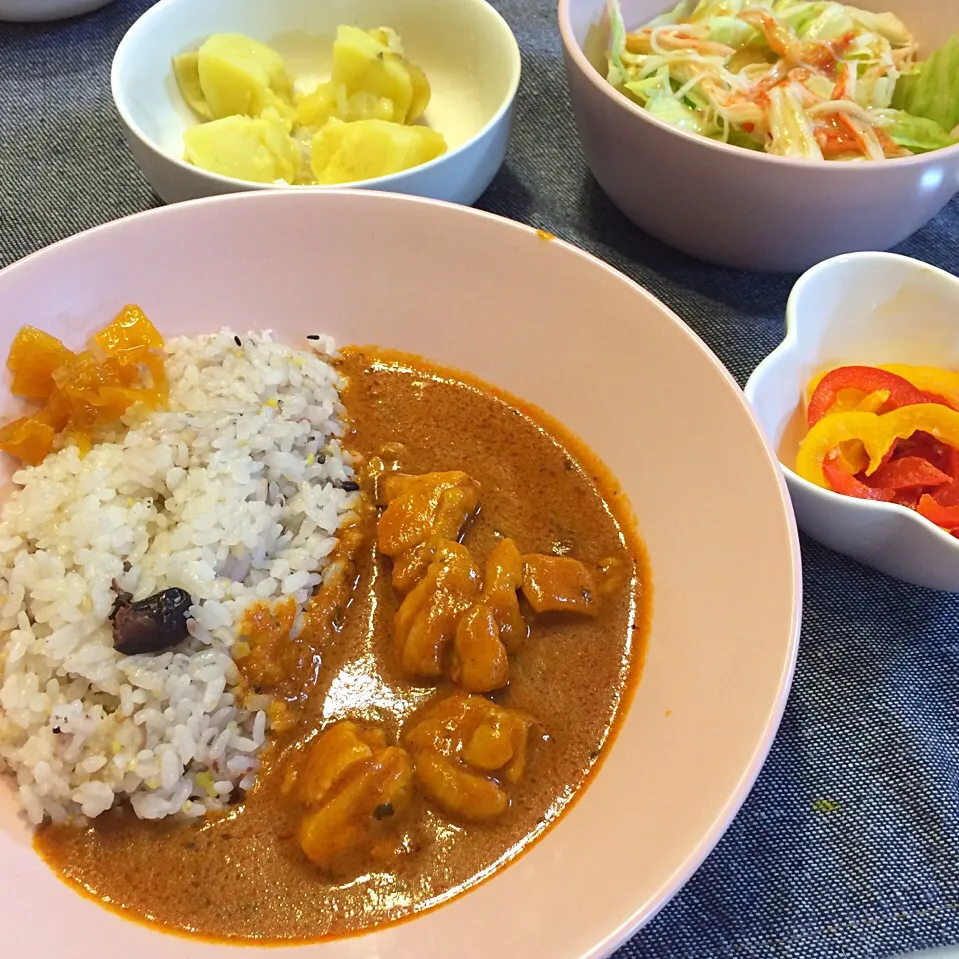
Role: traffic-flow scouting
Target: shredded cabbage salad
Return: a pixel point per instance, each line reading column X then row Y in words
column 817, row 80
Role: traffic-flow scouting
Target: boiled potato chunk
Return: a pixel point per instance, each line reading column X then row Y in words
column 186, row 69
column 421, row 93
column 316, row 107
column 364, row 105
column 362, row 62
column 343, row 152
column 331, row 100
column 389, row 38
column 253, row 129
column 241, row 76
column 246, row 148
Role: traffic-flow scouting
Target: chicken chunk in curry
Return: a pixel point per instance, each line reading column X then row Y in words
column 354, row 788
column 426, row 621
column 421, row 513
column 560, row 584
column 443, row 627
column 466, row 750
column 503, row 579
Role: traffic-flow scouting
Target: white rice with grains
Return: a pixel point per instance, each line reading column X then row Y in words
column 232, row 494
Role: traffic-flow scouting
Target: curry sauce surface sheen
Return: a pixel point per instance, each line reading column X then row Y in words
column 242, row 874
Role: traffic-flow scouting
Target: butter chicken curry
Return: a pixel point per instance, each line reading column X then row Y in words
column 452, row 686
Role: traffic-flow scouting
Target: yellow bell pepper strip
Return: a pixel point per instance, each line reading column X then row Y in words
column 851, row 456
column 848, row 400
column 872, row 402
column 877, row 432
column 869, row 379
column 932, row 379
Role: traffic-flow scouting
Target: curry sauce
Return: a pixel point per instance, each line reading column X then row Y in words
column 242, row 874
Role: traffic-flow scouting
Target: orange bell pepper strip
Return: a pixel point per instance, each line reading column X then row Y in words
column 877, row 432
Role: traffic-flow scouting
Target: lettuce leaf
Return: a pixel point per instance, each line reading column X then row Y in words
column 652, row 87
column 708, row 9
column 656, row 94
column 790, row 127
column 815, row 21
column 918, row 134
column 735, row 33
column 875, row 93
column 678, row 14
column 887, row 25
column 740, row 138
column 680, row 115
column 819, row 20
column 617, row 74
column 932, row 91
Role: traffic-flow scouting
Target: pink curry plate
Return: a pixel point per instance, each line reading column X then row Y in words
column 560, row 329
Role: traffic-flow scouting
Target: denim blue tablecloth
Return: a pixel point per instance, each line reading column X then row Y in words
column 849, row 843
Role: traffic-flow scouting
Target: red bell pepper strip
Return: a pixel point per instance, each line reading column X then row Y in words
column 945, row 516
column 948, row 494
column 905, row 472
column 868, row 379
column 929, row 448
column 848, row 485
column 908, row 497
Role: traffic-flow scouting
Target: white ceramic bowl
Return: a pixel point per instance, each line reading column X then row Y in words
column 35, row 11
column 465, row 48
column 863, row 308
column 737, row 207
column 726, row 602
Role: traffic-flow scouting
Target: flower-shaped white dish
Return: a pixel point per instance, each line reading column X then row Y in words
column 862, row 308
